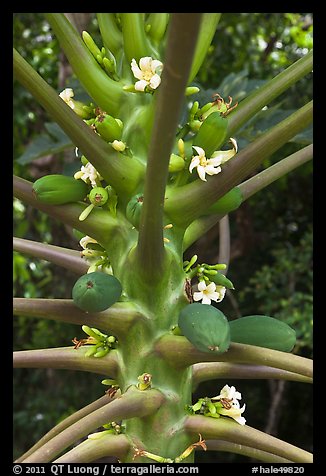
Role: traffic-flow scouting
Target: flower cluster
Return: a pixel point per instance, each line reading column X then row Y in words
column 89, row 175
column 95, row 255
column 99, row 344
column 224, row 404
column 212, row 285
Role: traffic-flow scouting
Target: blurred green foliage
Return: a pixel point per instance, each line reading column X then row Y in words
column 271, row 233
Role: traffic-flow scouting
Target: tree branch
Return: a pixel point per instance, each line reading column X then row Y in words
column 134, row 403
column 221, row 370
column 100, row 225
column 64, row 257
column 274, row 172
column 117, row 319
column 91, row 450
column 184, row 204
column 183, row 31
column 180, row 353
column 225, row 429
column 66, row 358
column 269, row 91
column 227, row 446
column 122, row 172
column 253, row 185
column 75, row 417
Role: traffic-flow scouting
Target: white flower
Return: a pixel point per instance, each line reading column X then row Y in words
column 88, row 173
column 66, row 95
column 228, row 392
column 204, row 166
column 85, row 240
column 211, row 166
column 148, row 72
column 234, row 412
column 209, row 293
column 229, row 397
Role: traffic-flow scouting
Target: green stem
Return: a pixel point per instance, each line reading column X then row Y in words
column 69, row 259
column 135, row 42
column 281, row 168
column 207, row 30
column 116, row 320
column 180, row 47
column 185, row 204
column 75, row 417
column 204, row 371
column 133, row 403
column 122, row 172
column 100, row 225
column 180, row 352
column 110, row 33
column 224, row 243
column 66, row 358
column 198, row 228
column 269, row 91
column 254, row 453
column 253, row 185
column 108, row 94
column 92, row 450
column 225, row 429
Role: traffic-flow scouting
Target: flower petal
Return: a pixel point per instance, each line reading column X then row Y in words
column 201, row 172
column 156, row 64
column 198, row 296
column 202, row 286
column 221, row 290
column 206, row 300
column 234, row 143
column 213, row 296
column 194, row 163
column 214, row 161
column 135, row 69
column 145, row 63
column 155, row 81
column 211, row 287
column 199, row 150
column 210, row 170
column 141, row 85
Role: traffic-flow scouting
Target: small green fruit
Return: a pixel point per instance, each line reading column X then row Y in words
column 59, row 189
column 134, row 209
column 205, row 327
column 263, row 331
column 98, row 196
column 95, row 292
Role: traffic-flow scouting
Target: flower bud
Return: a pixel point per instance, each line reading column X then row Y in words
column 176, row 163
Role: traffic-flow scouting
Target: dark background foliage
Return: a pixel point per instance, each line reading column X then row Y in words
column 271, row 234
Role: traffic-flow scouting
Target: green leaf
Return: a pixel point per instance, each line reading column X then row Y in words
column 50, row 143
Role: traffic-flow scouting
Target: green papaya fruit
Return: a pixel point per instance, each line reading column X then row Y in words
column 212, row 133
column 98, row 196
column 95, row 292
column 59, row 189
column 226, row 204
column 263, row 331
column 134, row 209
column 205, row 327
column 108, row 128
